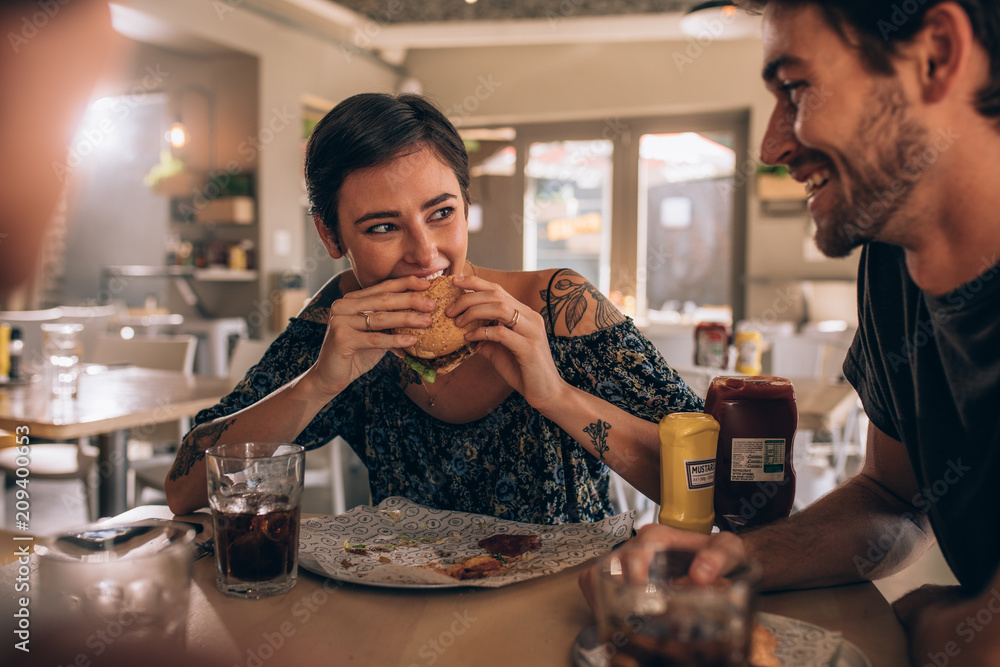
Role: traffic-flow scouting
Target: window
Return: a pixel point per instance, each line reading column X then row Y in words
column 651, row 210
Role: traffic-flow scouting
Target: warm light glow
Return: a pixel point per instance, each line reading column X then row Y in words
column 730, row 11
column 177, row 136
column 470, row 2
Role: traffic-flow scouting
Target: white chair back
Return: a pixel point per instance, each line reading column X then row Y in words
column 797, row 357
column 173, row 353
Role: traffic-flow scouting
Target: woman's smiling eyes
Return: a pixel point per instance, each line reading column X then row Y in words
column 442, row 214
column 380, row 228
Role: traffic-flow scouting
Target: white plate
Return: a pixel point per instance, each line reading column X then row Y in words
column 799, row 645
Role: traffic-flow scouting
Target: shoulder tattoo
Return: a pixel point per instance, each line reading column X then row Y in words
column 598, row 432
column 188, row 455
column 568, row 299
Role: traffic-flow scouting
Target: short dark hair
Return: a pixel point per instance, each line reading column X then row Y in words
column 878, row 27
column 368, row 130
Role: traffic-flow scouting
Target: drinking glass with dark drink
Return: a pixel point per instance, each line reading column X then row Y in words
column 650, row 613
column 255, row 490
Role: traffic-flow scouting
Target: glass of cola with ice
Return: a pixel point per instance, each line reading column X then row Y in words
column 255, row 491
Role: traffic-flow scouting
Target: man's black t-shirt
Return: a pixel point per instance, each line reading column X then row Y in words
column 927, row 370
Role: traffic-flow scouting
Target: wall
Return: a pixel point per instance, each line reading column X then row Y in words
column 290, row 64
column 498, row 85
column 117, row 149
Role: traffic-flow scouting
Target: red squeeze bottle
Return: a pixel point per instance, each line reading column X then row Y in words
column 754, row 477
column 711, row 345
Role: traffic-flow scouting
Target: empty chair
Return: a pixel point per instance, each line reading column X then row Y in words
column 797, row 357
column 171, row 353
column 151, row 473
column 73, row 461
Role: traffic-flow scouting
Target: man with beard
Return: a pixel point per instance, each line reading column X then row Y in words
column 889, row 113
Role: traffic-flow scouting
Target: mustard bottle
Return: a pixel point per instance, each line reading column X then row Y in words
column 749, row 348
column 687, row 470
column 4, row 352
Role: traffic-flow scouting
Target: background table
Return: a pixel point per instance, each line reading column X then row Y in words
column 532, row 623
column 111, row 401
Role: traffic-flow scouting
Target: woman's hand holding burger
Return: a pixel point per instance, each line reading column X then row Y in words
column 515, row 342
column 359, row 331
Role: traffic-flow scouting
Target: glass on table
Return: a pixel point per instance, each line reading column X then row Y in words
column 62, row 349
column 115, row 589
column 255, row 491
column 649, row 612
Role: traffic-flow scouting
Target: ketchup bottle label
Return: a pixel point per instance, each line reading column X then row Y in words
column 758, row 460
column 700, row 474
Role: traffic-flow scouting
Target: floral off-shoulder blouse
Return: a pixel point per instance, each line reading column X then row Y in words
column 513, row 463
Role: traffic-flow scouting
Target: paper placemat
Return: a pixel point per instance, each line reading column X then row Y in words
column 392, row 542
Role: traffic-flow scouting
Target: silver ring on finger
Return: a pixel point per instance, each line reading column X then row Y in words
column 367, row 314
column 514, row 320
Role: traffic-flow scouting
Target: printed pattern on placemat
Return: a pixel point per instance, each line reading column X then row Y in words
column 391, row 544
column 802, row 644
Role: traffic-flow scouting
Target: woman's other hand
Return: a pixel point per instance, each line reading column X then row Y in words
column 357, row 330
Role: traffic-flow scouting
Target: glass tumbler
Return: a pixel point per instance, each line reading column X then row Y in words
column 255, row 491
column 117, row 589
column 62, row 348
column 649, row 612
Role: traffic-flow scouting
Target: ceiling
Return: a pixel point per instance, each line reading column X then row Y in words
column 398, row 12
column 391, row 28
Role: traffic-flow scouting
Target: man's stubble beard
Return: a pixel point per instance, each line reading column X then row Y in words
column 882, row 185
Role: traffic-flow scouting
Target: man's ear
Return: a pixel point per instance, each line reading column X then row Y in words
column 943, row 48
column 329, row 238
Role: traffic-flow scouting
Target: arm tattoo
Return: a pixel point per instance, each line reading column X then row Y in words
column 571, row 303
column 598, row 432
column 194, row 451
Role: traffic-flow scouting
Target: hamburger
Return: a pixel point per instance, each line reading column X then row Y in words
column 441, row 347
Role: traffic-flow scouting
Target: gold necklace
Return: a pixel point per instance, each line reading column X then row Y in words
column 430, row 396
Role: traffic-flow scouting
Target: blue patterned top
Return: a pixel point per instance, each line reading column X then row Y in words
column 513, row 463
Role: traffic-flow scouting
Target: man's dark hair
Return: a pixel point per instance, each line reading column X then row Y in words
column 368, row 130
column 878, row 27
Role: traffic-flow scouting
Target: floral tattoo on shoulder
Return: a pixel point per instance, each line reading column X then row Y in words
column 569, row 299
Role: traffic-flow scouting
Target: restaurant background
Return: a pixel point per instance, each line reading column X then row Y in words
column 242, row 70
column 249, row 79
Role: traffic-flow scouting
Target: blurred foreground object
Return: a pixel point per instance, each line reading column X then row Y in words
column 49, row 65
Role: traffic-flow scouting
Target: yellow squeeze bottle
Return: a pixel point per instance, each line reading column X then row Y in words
column 687, row 470
column 4, row 352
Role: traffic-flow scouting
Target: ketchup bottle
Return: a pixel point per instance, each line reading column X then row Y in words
column 711, row 345
column 754, row 477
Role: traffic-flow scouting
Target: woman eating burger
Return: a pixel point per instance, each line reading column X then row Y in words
column 508, row 393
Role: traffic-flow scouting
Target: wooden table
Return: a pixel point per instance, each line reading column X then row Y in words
column 111, row 401
column 532, row 623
